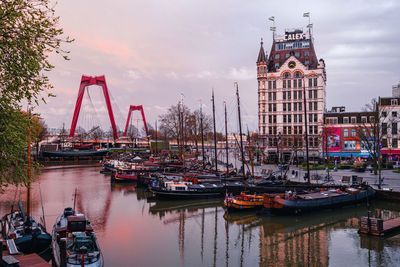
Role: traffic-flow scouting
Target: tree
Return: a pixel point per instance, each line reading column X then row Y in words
column 28, row 34
column 371, row 134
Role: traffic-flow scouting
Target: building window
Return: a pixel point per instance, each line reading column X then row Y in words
column 306, row 54
column 297, row 54
column 345, row 132
column 393, row 102
column 289, row 118
column 353, row 119
column 353, row 132
column 270, row 107
column 315, row 105
column 297, row 74
column 270, row 118
column 263, row 96
column 345, row 119
column 315, row 94
column 263, row 107
column 384, row 114
column 284, row 83
column 395, row 143
column 384, row 142
column 316, row 132
column 277, row 56
column 263, row 129
column 364, row 132
column 263, row 118
column 310, row 82
column 270, row 130
column 300, row 94
column 269, row 84
column 289, row 95
column 284, row 130
column 274, row 107
column 284, row 118
column 289, row 106
column 263, row 85
column 289, row 84
column 315, row 82
column 309, row 105
column 294, row 94
column 300, row 118
column 274, row 117
column 274, row 95
column 394, row 114
column 270, row 96
column 287, row 55
column 294, row 83
column 277, row 65
column 295, row 118
column 363, row 119
column 300, row 129
column 309, row 94
column 306, row 63
column 289, row 132
column 371, row 119
column 315, row 118
column 284, row 95
column 310, row 128
column 300, row 106
column 384, row 128
column 295, row 106
column 274, row 84
column 349, row 145
column 394, row 128
column 284, row 106
column 310, row 117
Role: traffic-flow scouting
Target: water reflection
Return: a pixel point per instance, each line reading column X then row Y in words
column 134, row 229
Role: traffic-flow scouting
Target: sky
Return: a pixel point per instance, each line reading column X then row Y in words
column 153, row 52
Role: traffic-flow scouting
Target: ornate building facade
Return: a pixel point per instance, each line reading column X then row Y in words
column 291, row 95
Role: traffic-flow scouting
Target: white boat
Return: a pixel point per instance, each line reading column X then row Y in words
column 74, row 242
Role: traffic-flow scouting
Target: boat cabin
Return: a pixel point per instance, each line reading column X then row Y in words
column 176, row 186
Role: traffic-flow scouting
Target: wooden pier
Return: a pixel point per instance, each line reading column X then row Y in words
column 379, row 227
column 32, row 260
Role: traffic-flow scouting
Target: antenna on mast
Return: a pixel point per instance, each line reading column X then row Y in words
column 309, row 25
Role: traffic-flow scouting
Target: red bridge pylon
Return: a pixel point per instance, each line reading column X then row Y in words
column 132, row 108
column 87, row 81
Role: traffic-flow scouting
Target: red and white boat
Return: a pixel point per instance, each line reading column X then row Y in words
column 124, row 175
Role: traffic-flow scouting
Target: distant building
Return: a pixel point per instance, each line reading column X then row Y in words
column 346, row 133
column 389, row 109
column 291, row 65
column 396, row 90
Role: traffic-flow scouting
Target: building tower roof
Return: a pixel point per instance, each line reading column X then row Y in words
column 261, row 54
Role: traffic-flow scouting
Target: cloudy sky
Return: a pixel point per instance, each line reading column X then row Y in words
column 151, row 52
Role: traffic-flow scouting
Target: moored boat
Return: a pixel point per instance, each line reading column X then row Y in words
column 243, row 202
column 74, row 242
column 124, row 175
column 290, row 202
column 29, row 236
column 185, row 189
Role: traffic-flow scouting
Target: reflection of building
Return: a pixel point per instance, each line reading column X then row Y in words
column 343, row 131
column 303, row 247
column 291, row 65
column 389, row 109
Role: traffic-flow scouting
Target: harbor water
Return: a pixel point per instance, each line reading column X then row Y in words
column 134, row 229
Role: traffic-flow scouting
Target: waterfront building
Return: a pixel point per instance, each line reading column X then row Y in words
column 396, row 90
column 347, row 133
column 290, row 69
column 389, row 110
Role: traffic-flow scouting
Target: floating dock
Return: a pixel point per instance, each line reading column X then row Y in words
column 32, row 260
column 379, row 227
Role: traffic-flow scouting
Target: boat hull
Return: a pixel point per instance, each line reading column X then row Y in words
column 184, row 195
column 295, row 206
column 120, row 178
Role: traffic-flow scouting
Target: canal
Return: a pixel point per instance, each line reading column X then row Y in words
column 136, row 230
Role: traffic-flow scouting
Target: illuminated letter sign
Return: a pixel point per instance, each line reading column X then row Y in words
column 294, row 36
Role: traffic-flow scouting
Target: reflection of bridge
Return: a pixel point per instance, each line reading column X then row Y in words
column 86, row 81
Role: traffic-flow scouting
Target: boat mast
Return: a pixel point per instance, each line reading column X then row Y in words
column 306, row 130
column 76, row 189
column 202, row 136
column 215, row 134
column 28, row 198
column 156, row 139
column 226, row 140
column 240, row 125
